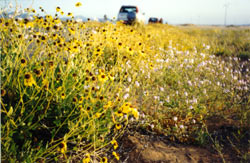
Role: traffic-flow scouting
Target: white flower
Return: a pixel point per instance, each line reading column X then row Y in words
column 11, row 16
column 26, row 36
column 149, row 75
column 185, row 93
column 167, row 99
column 175, row 118
column 137, row 83
column 10, row 5
column 78, row 20
column 192, row 61
column 126, row 96
column 156, row 97
column 203, row 55
column 195, row 100
column 127, row 89
column 189, row 83
column 129, row 79
column 86, row 86
column 182, row 126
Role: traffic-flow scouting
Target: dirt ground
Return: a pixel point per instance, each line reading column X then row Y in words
column 140, row 146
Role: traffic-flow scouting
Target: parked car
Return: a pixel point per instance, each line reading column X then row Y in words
column 155, row 20
column 130, row 15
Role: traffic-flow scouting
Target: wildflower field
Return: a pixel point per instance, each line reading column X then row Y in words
column 70, row 89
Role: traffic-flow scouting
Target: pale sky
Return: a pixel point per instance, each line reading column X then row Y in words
column 172, row 11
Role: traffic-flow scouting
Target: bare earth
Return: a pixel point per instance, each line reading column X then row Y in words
column 138, row 146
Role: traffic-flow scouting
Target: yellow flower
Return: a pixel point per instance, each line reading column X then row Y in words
column 98, row 115
column 118, row 126
column 89, row 108
column 38, row 72
column 78, row 4
column 62, row 13
column 111, row 77
column 63, row 147
column 142, row 53
column 75, row 99
column 23, row 62
column 98, row 52
column 3, row 92
column 27, row 9
column 104, row 160
column 132, row 31
column 63, row 95
column 70, row 14
column 126, row 108
column 45, row 84
column 59, row 88
column 28, row 80
column 51, row 64
column 108, row 105
column 116, row 155
column 102, row 77
column 29, row 24
column 81, row 100
column 151, row 66
column 135, row 113
column 72, row 31
column 119, row 113
column 120, row 46
column 58, row 9
column 114, row 142
column 130, row 50
column 54, row 36
column 43, row 38
column 87, row 158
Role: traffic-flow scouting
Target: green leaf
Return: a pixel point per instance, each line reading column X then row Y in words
column 57, row 122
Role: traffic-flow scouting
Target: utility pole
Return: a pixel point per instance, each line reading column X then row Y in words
column 226, row 5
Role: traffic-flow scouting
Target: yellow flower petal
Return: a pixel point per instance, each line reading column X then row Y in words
column 78, row 4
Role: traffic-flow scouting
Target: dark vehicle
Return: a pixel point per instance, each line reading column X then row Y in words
column 130, row 15
column 153, row 20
